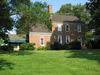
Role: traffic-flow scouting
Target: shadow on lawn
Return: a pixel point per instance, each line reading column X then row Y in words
column 17, row 52
column 5, row 64
column 88, row 54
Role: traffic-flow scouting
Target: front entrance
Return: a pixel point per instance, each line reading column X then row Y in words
column 80, row 40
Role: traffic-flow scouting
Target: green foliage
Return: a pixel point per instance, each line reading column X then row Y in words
column 1, row 41
column 67, row 46
column 7, row 48
column 74, row 45
column 90, row 46
column 71, row 45
column 94, row 7
column 95, row 44
column 5, row 19
column 27, row 46
column 56, row 46
column 36, row 13
column 41, row 48
column 48, row 47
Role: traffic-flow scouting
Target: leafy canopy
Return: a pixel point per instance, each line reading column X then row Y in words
column 94, row 7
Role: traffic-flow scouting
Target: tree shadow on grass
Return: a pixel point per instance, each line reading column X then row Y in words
column 88, row 54
column 18, row 52
column 5, row 64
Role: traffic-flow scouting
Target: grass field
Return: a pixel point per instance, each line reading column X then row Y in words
column 63, row 62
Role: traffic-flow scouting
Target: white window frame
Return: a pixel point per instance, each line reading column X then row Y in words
column 59, row 27
column 68, row 28
column 59, row 36
column 67, row 38
column 79, row 28
column 80, row 40
column 43, row 41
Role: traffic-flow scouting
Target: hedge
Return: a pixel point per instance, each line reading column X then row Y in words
column 27, row 46
column 7, row 48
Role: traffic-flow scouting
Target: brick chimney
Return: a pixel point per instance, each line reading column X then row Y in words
column 50, row 8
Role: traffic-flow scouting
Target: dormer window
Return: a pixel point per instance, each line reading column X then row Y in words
column 59, row 28
column 67, row 28
column 79, row 28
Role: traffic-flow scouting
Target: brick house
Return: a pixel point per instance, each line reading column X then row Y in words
column 65, row 29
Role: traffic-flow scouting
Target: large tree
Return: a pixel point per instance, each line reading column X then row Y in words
column 5, row 19
column 94, row 7
column 29, row 14
column 75, row 10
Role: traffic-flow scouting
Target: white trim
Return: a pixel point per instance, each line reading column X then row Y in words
column 40, row 33
column 43, row 41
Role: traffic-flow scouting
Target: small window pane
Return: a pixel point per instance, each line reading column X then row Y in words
column 67, row 39
column 59, row 28
column 67, row 27
column 60, row 39
column 41, row 41
column 79, row 28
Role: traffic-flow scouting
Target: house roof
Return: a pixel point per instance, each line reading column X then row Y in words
column 39, row 28
column 63, row 18
column 17, row 36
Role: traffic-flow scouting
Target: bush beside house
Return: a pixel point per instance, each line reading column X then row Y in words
column 71, row 45
column 27, row 46
column 41, row 48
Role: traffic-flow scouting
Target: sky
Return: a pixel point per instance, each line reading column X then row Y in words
column 57, row 4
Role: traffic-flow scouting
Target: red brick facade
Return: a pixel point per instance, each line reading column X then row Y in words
column 36, row 39
column 73, row 33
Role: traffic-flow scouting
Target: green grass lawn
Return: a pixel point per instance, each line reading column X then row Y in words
column 65, row 62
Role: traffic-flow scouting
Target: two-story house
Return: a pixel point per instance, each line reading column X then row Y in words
column 65, row 29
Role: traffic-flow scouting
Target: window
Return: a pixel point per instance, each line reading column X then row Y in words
column 67, row 28
column 80, row 40
column 60, row 39
column 79, row 28
column 59, row 28
column 67, row 39
column 42, row 41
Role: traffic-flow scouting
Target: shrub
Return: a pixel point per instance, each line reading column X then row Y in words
column 90, row 46
column 74, row 45
column 66, row 46
column 56, row 46
column 7, row 48
column 41, row 48
column 48, row 46
column 27, row 46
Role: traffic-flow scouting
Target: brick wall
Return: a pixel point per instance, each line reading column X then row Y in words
column 36, row 39
column 73, row 33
